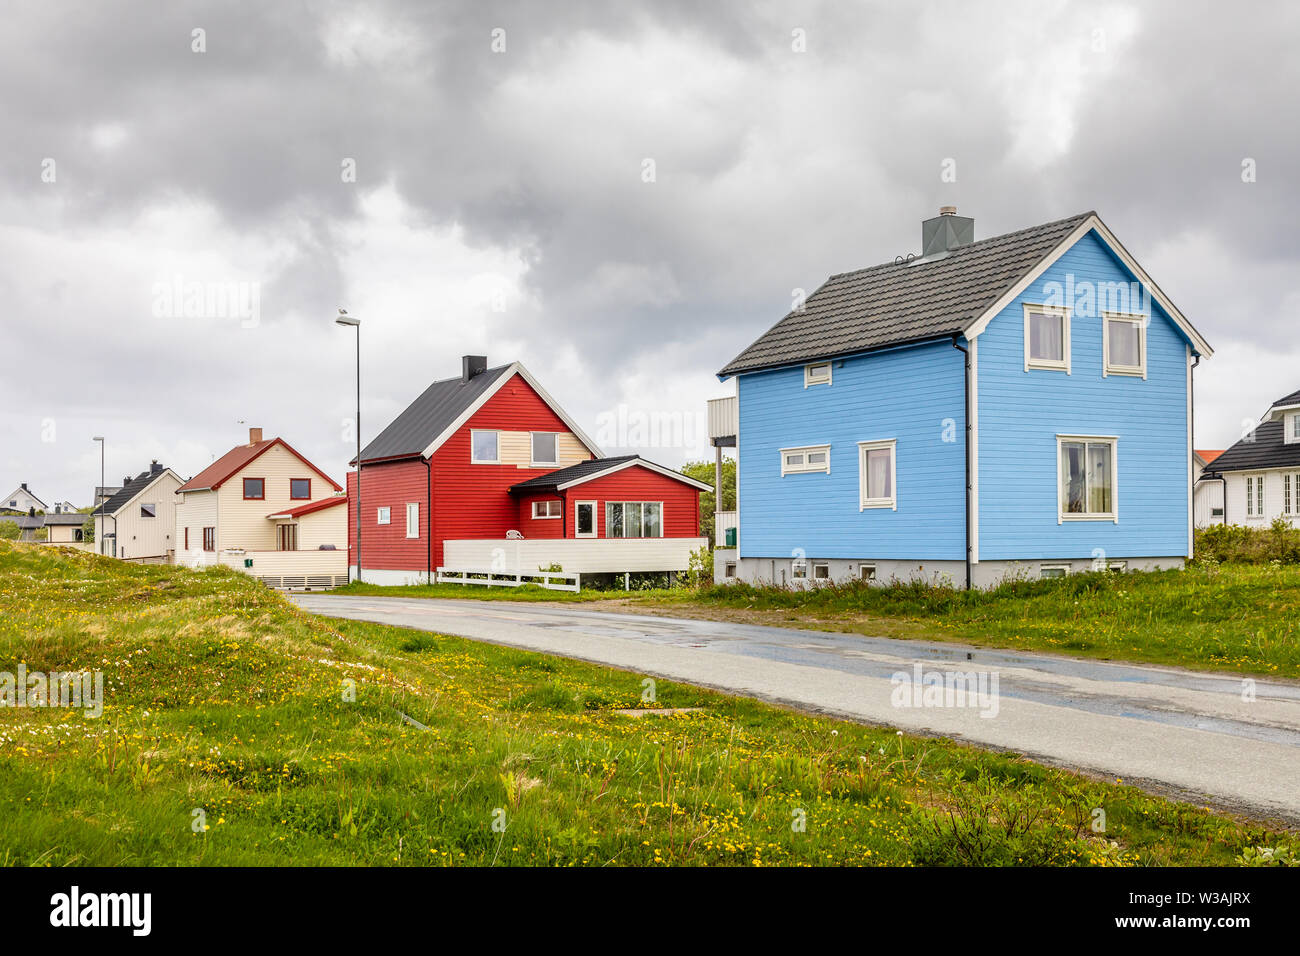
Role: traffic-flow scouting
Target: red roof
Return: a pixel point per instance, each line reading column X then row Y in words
column 217, row 473
column 1207, row 455
column 307, row 509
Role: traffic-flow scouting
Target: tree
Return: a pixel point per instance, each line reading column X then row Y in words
column 9, row 529
column 88, row 530
column 703, row 471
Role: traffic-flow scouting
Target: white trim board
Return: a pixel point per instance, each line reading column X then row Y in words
column 651, row 466
column 1088, row 225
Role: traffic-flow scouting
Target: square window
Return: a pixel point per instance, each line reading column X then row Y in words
column 484, row 448
column 300, row 489
column 1125, row 345
column 1087, row 472
column 1047, row 337
column 254, row 489
column 383, row 515
column 876, row 475
column 729, row 569
column 148, row 511
column 544, row 450
column 867, row 572
column 818, row 373
column 821, row 571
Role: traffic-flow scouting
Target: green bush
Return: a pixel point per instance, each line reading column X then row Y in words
column 1236, row 543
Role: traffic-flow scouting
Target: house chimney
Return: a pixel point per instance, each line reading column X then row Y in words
column 254, row 436
column 471, row 365
column 126, row 481
column 946, row 232
column 24, row 486
column 155, row 468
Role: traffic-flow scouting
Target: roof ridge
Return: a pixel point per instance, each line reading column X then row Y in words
column 970, row 245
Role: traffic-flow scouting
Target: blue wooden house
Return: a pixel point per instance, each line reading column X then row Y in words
column 1020, row 405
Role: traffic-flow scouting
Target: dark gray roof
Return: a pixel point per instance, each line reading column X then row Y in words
column 25, row 522
column 411, row 432
column 572, row 473
column 890, row 304
column 1268, row 450
column 66, row 517
column 129, row 491
column 1292, row 399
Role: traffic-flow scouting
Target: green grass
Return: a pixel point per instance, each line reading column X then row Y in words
column 228, row 706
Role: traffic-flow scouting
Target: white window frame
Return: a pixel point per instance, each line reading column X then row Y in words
column 1291, row 428
column 663, row 519
column 1141, row 321
column 485, row 461
column 1113, row 515
column 552, row 504
column 892, row 501
column 1063, row 568
column 532, row 450
column 1049, row 364
column 804, row 468
column 1258, row 495
column 799, row 569
column 1291, row 493
column 384, row 515
column 412, row 512
column 821, row 566
column 1120, row 566
column 811, row 378
column 729, row 569
column 867, row 572
column 595, row 522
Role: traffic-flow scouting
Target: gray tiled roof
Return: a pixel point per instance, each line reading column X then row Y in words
column 132, row 488
column 414, row 430
column 1292, row 399
column 571, row 473
column 1268, row 450
column 893, row 303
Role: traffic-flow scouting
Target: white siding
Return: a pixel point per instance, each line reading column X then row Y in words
column 139, row 538
column 1273, row 497
column 581, row 555
column 195, row 510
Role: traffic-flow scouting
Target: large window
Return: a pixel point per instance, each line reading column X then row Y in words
column 1087, row 478
column 1047, row 337
column 1254, row 496
column 413, row 519
column 254, row 489
column 484, row 448
column 551, row 508
column 634, row 519
column 811, row 458
column 544, row 451
column 299, row 490
column 877, row 475
column 1125, row 345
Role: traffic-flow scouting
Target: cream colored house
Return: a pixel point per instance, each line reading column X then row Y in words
column 67, row 528
column 139, row 522
column 266, row 510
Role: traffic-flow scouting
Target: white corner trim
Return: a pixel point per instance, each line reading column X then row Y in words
column 974, row 452
column 1089, row 224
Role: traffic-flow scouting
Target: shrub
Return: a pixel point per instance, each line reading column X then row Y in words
column 1242, row 545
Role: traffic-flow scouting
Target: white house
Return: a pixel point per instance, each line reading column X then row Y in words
column 1260, row 474
column 139, row 522
column 22, row 500
column 1209, row 494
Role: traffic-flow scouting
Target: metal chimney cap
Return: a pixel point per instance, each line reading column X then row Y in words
column 947, row 210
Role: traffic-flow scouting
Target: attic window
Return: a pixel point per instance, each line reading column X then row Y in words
column 1125, row 345
column 818, row 373
column 1047, row 338
column 148, row 510
column 544, row 450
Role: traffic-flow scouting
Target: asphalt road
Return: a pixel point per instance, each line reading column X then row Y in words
column 1189, row 735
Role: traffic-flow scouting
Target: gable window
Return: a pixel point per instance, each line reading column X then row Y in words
column 584, row 519
column 1124, row 344
column 544, row 450
column 209, row 539
column 1087, row 471
column 384, row 516
column 1291, row 429
column 811, row 458
column 552, row 508
column 1047, row 337
column 254, row 489
column 299, row 490
column 634, row 519
column 818, row 373
column 413, row 519
column 148, row 510
column 877, row 474
column 484, row 448
column 1254, row 496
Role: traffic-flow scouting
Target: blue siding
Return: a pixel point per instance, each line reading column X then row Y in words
column 1020, row 414
column 907, row 395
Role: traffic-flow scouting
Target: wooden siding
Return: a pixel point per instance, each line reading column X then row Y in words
column 243, row 523
column 391, row 486
column 1021, row 413
column 681, row 502
column 139, row 537
column 195, row 510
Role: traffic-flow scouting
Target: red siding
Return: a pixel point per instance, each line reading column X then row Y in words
column 681, row 501
column 386, row 546
column 541, row 527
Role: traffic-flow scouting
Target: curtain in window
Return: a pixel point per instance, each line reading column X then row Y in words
column 1072, row 477
column 614, row 520
column 1125, row 348
column 1099, row 492
column 653, row 520
column 1045, row 339
column 879, row 484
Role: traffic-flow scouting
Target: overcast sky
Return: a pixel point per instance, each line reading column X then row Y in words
column 620, row 198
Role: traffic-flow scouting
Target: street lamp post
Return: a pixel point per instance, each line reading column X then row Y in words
column 100, row 439
column 347, row 320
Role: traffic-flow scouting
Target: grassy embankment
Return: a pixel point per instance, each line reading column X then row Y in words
column 226, row 708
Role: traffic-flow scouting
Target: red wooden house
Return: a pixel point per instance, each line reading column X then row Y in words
column 488, row 472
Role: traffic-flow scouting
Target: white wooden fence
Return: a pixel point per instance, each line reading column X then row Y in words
column 551, row 580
